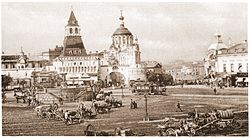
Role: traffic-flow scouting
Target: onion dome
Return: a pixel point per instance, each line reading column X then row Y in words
column 122, row 30
column 219, row 45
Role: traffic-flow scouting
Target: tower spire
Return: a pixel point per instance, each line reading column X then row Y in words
column 22, row 53
column 72, row 19
column 122, row 19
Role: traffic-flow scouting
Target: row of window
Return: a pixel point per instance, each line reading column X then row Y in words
column 80, row 57
column 123, row 40
column 74, row 52
column 132, row 71
column 78, row 69
column 11, row 66
column 232, row 68
column 89, row 63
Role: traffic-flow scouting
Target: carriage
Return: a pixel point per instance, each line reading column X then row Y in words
column 72, row 116
column 47, row 111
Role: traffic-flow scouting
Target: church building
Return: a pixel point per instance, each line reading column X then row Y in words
column 121, row 63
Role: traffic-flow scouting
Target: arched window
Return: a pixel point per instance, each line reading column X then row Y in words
column 76, row 30
column 70, row 30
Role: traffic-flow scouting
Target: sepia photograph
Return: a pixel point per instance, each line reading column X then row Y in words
column 130, row 68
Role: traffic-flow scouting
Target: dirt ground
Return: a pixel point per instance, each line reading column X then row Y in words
column 19, row 119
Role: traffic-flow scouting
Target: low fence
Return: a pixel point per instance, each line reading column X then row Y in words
column 188, row 86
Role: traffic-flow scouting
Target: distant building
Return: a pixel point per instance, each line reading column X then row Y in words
column 45, row 79
column 54, row 53
column 227, row 64
column 152, row 66
column 122, row 62
column 186, row 72
column 21, row 66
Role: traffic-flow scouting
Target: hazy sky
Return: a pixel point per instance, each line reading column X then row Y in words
column 166, row 31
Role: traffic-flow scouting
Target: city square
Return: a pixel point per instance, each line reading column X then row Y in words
column 159, row 76
column 23, row 120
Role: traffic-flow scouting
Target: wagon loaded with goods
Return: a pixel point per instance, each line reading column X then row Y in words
column 200, row 124
column 69, row 117
column 91, row 131
column 102, row 106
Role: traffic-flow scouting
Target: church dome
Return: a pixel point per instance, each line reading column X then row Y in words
column 218, row 45
column 122, row 31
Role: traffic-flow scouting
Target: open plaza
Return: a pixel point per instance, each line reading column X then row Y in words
column 21, row 119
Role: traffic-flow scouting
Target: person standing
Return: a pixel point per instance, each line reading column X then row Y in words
column 215, row 91
column 178, row 106
column 131, row 103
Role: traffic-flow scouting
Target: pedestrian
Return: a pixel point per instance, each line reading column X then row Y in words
column 215, row 91
column 66, row 115
column 178, row 107
column 29, row 101
column 60, row 100
column 135, row 105
column 131, row 103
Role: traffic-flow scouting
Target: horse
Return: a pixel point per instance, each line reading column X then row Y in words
column 24, row 97
column 102, row 106
column 71, row 116
column 99, row 96
column 87, row 112
column 113, row 101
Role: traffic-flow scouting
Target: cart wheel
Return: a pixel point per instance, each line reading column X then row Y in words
column 68, row 122
column 236, row 125
column 170, row 132
column 90, row 130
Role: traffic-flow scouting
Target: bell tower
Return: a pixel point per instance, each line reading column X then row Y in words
column 72, row 28
column 73, row 44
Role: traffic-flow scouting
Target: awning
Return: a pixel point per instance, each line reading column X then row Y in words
column 239, row 80
column 80, row 82
column 246, row 80
column 85, row 75
column 69, row 82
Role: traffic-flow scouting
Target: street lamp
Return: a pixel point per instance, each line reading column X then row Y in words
column 122, row 91
column 146, row 118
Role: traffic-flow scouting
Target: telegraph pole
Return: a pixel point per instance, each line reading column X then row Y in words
column 146, row 118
